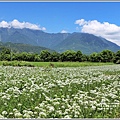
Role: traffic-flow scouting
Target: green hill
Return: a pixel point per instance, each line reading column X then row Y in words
column 19, row 47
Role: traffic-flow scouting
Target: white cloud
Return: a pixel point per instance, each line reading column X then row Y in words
column 106, row 30
column 64, row 31
column 43, row 28
column 81, row 22
column 16, row 24
column 4, row 24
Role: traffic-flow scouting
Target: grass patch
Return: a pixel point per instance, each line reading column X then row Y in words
column 69, row 64
column 52, row 64
column 17, row 63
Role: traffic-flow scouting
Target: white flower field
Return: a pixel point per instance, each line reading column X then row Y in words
column 71, row 92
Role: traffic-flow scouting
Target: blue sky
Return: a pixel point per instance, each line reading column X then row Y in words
column 62, row 16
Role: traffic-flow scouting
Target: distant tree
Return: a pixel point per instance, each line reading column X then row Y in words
column 5, row 54
column 85, row 58
column 21, row 56
column 5, row 50
column 37, row 58
column 117, row 57
column 107, row 56
column 24, row 56
column 45, row 55
column 17, row 56
column 78, row 56
column 54, row 57
column 95, row 57
column 30, row 57
column 68, row 55
column 13, row 56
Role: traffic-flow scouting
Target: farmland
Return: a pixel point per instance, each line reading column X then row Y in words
column 60, row 92
column 56, row 64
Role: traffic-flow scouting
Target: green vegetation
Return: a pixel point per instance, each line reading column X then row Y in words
column 77, row 92
column 69, row 64
column 16, row 63
column 67, row 56
column 53, row 64
column 20, row 47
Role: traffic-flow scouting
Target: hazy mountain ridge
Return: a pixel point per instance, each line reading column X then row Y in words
column 20, row 47
column 87, row 43
column 33, row 37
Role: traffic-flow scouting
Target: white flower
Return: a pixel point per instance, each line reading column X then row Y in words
column 67, row 116
column 37, row 108
column 18, row 115
column 56, row 103
column 35, row 113
column 14, row 110
column 10, row 113
column 59, row 112
column 4, row 112
column 26, row 115
column 51, row 108
column 30, row 112
column 42, row 115
column 5, row 104
column 19, row 104
column 4, row 97
column 24, row 111
column 93, row 107
column 1, row 116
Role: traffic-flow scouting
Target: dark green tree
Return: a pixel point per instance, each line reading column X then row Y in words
column 5, row 54
column 78, row 56
column 37, row 58
column 55, row 57
column 5, row 50
column 68, row 55
column 117, row 57
column 45, row 56
column 107, row 56
column 95, row 57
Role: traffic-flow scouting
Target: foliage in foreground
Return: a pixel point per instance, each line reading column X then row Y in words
column 82, row 92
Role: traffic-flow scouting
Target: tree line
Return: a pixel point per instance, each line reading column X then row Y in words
column 7, row 54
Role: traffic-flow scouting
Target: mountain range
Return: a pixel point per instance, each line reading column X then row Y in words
column 60, row 42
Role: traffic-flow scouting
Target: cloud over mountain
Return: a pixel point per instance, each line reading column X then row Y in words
column 16, row 24
column 106, row 30
column 64, row 31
